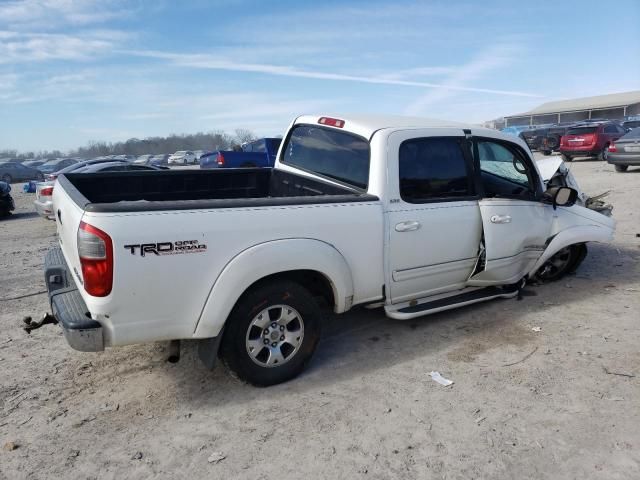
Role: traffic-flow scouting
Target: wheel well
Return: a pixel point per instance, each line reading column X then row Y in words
column 314, row 281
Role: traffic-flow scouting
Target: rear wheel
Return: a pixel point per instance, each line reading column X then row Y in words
column 621, row 168
column 562, row 263
column 602, row 156
column 271, row 333
column 6, row 178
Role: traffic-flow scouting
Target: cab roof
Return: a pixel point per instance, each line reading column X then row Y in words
column 367, row 125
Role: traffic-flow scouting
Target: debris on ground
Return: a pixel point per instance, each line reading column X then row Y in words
column 10, row 446
column 137, row 456
column 537, row 329
column 216, row 457
column 440, row 379
column 620, row 374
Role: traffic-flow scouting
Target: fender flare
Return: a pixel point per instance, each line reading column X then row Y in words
column 571, row 236
column 262, row 260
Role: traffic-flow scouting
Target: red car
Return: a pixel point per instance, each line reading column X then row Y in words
column 589, row 140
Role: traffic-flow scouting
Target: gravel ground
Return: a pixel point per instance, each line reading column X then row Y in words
column 366, row 407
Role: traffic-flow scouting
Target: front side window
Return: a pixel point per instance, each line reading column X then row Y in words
column 610, row 129
column 502, row 171
column 329, row 153
column 433, row 168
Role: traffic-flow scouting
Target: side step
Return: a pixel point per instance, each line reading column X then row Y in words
column 400, row 312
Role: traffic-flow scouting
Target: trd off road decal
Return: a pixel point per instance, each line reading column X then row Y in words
column 166, row 248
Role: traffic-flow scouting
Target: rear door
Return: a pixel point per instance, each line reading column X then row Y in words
column 433, row 218
column 516, row 223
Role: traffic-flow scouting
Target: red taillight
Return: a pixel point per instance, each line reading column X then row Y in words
column 220, row 159
column 95, row 250
column 562, row 140
column 590, row 138
column 332, row 122
column 612, row 148
column 46, row 192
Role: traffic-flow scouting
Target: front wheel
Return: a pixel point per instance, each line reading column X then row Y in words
column 621, row 168
column 562, row 263
column 271, row 333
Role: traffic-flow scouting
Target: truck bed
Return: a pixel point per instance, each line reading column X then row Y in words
column 201, row 189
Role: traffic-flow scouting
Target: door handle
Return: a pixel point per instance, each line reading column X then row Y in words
column 407, row 226
column 501, row 219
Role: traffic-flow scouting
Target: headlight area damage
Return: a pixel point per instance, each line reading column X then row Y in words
column 555, row 173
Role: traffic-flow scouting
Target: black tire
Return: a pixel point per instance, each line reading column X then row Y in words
column 566, row 158
column 546, row 153
column 278, row 297
column 602, row 156
column 621, row 168
column 564, row 262
column 7, row 178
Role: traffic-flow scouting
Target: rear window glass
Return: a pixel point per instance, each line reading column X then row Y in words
column 582, row 130
column 635, row 133
column 432, row 168
column 330, row 153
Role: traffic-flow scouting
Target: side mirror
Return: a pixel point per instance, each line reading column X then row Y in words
column 562, row 196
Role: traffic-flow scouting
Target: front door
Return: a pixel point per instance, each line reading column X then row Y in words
column 516, row 223
column 434, row 221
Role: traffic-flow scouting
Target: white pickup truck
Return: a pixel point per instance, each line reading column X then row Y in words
column 407, row 214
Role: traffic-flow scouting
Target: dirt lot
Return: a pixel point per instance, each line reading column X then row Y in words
column 366, row 408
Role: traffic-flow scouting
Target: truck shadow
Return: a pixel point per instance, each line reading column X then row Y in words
column 363, row 341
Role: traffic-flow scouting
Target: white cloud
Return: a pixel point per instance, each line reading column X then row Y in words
column 48, row 14
column 17, row 47
column 204, row 61
column 495, row 57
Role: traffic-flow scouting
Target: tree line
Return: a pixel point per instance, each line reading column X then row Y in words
column 215, row 140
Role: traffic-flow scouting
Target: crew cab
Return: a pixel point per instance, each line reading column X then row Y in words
column 259, row 153
column 407, row 214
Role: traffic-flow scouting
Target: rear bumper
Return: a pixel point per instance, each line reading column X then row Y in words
column 623, row 159
column 44, row 209
column 80, row 330
column 581, row 152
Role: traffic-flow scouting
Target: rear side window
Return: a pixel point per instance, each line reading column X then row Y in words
column 433, row 168
column 330, row 153
column 257, row 146
column 582, row 130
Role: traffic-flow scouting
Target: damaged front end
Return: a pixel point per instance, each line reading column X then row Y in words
column 555, row 173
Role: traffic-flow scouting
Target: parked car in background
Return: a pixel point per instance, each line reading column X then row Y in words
column 6, row 201
column 182, row 157
column 16, row 172
column 143, row 159
column 158, row 160
column 517, row 130
column 545, row 138
column 44, row 190
column 625, row 151
column 630, row 124
column 75, row 166
column 55, row 165
column 33, row 163
column 589, row 139
column 259, row 153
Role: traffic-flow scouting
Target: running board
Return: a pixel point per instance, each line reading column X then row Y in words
column 400, row 312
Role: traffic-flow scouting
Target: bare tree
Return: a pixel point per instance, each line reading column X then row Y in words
column 244, row 135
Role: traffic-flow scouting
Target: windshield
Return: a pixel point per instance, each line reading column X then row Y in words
column 330, row 153
column 582, row 130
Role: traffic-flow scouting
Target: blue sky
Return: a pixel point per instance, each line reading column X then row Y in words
column 72, row 71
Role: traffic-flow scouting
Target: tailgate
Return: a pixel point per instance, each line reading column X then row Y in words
column 68, row 216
